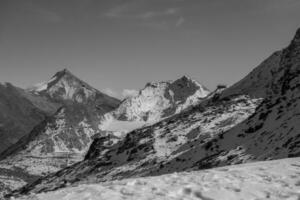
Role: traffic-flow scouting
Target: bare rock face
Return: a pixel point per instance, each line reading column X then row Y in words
column 227, row 128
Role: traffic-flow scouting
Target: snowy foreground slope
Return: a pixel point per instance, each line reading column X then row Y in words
column 276, row 180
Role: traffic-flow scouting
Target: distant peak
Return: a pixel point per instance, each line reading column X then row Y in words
column 62, row 73
column 296, row 39
column 185, row 78
column 297, row 36
column 156, row 84
column 293, row 50
column 66, row 71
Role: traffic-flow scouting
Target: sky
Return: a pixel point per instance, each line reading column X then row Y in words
column 120, row 45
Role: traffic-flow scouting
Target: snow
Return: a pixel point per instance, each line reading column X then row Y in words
column 40, row 87
column 276, row 180
column 9, row 183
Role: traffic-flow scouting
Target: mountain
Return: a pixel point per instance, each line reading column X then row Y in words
column 161, row 99
column 61, row 138
column 81, row 106
column 262, row 180
column 20, row 112
column 64, row 87
column 156, row 101
column 237, row 125
column 64, row 138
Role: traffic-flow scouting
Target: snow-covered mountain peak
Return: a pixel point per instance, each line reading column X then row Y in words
column 64, row 86
column 162, row 99
column 157, row 100
column 187, row 79
column 62, row 74
column 191, row 84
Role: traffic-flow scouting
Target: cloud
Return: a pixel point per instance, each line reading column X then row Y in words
column 126, row 11
column 124, row 94
column 117, row 11
column 49, row 16
column 41, row 13
column 129, row 93
column 153, row 14
column 180, row 21
column 111, row 92
column 279, row 5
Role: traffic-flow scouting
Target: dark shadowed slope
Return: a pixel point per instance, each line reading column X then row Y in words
column 20, row 112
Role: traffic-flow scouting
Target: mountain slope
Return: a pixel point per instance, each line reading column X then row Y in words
column 224, row 130
column 20, row 112
column 257, row 83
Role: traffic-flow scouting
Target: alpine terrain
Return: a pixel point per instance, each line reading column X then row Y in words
column 256, row 119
